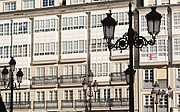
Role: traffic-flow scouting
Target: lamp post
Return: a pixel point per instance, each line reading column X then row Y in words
column 88, row 83
column 157, row 94
column 9, row 83
column 131, row 38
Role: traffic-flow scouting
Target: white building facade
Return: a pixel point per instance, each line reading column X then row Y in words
column 56, row 43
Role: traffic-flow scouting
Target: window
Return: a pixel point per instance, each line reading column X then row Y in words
column 163, row 22
column 1, row 52
column 148, row 78
column 25, row 50
column 77, row 1
column 47, row 3
column 80, row 94
column 143, row 23
column 40, row 96
column 6, row 51
column 1, row 29
column 100, row 69
column 17, row 97
column 70, row 47
column 71, row 23
column 26, row 96
column 178, row 101
column 53, row 95
column 68, row 94
column 82, row 69
column 6, row 29
column 162, row 47
column 118, row 93
column 53, row 71
column 98, row 45
column 148, row 102
column 177, row 46
column 10, row 6
column 107, row 94
column 46, row 25
column 19, row 50
column 176, row 20
column 123, row 18
column 68, row 70
column 7, row 97
column 40, row 71
column 28, row 4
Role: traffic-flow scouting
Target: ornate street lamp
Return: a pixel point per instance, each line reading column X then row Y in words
column 157, row 94
column 10, row 83
column 87, row 84
column 130, row 39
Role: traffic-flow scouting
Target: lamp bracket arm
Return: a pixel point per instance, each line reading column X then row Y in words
column 140, row 41
column 120, row 44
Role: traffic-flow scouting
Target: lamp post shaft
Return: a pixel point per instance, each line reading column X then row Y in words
column 12, row 87
column 130, row 42
column 90, row 95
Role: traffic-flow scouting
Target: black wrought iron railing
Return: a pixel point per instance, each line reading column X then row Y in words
column 117, row 76
column 44, row 80
column 52, row 104
column 112, row 102
column 72, row 78
column 39, row 104
column 19, row 104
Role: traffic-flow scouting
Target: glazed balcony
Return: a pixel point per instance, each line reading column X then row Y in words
column 69, row 79
column 41, row 80
column 19, row 104
column 39, row 104
column 52, row 104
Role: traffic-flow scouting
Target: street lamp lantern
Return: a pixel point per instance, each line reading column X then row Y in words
column 90, row 76
column 153, row 22
column 12, row 64
column 10, row 83
column 127, row 74
column 109, row 24
column 19, row 76
column 156, row 86
column 85, row 84
column 95, row 86
column 5, row 74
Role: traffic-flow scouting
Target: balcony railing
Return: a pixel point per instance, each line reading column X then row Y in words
column 178, row 82
column 66, row 103
column 117, row 76
column 148, row 108
column 148, row 83
column 162, row 108
column 19, row 105
column 52, row 104
column 39, row 104
column 112, row 102
column 72, row 78
column 162, row 83
column 44, row 80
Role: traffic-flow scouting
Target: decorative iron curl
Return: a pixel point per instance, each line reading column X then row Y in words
column 138, row 42
column 120, row 44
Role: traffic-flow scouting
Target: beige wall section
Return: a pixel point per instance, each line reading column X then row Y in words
column 161, row 74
